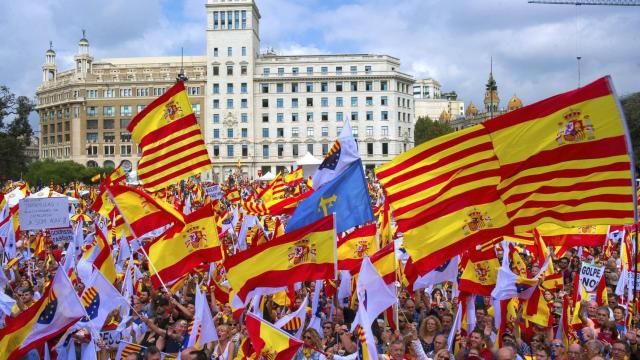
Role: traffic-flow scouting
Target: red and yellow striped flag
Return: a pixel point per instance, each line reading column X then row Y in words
column 588, row 235
column 270, row 342
column 305, row 254
column 562, row 160
column 182, row 248
column 294, row 178
column 172, row 145
column 142, row 212
column 355, row 245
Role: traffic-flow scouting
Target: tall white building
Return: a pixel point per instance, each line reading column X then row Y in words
column 431, row 102
column 269, row 110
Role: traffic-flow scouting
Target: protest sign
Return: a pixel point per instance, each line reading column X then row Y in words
column 61, row 235
column 590, row 276
column 45, row 213
column 111, row 338
column 214, row 192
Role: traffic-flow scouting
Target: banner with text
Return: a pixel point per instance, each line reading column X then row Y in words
column 46, row 213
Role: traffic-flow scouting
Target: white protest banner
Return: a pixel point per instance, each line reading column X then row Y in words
column 590, row 276
column 214, row 192
column 111, row 338
column 61, row 235
column 630, row 284
column 44, row 213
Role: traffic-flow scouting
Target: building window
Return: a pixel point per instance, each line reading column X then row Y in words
column 216, row 104
column 229, row 70
column 244, row 133
column 244, row 118
column 367, row 69
column 229, row 51
column 339, row 116
column 229, row 133
column 216, row 70
column 143, row 92
column 384, row 101
column 325, row 131
column 339, row 101
column 280, row 132
column 338, row 70
column 108, row 111
column 264, row 88
column 354, row 101
column 230, row 88
column 92, row 150
column 325, row 149
column 324, row 87
column 324, row 102
column 91, row 111
column 125, row 110
column 215, row 51
column 369, row 100
column 243, row 88
column 294, row 87
column 265, row 117
column 369, row 148
column 354, row 132
column 310, row 148
column 244, row 51
column 215, row 21
column 229, row 103
column 309, row 87
column 216, row 118
column 384, row 115
column 294, row 117
column 216, row 89
column 324, row 70
column 309, row 101
column 109, row 150
column 230, row 150
column 384, row 85
column 244, row 103
column 125, row 150
column 125, row 136
column 245, row 150
column 108, row 124
column 385, row 149
column 354, row 86
column 294, row 102
column 243, row 69
column 369, row 116
column 295, row 71
column 309, row 117
column 192, row 90
column 91, row 137
column 294, row 149
column 244, row 19
column 368, row 86
column 280, row 71
column 216, row 133
column 354, row 116
column 309, row 70
column 125, row 92
column 279, row 103
column 266, row 71
column 279, row 87
column 295, row 132
column 279, row 117
column 338, row 86
column 385, row 130
column 216, row 150
column 265, row 151
column 109, row 93
column 310, row 132
column 369, row 131
column 265, row 103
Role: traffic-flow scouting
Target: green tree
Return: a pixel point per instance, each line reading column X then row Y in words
column 631, row 109
column 15, row 135
column 61, row 172
column 427, row 129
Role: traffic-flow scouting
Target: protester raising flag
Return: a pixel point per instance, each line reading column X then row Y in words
column 563, row 160
column 172, row 145
column 57, row 310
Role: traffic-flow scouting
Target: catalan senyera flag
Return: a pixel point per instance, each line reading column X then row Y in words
column 102, row 204
column 305, row 254
column 270, row 342
column 384, row 218
column 56, row 311
column 142, row 212
column 172, row 144
column 274, row 207
column 182, row 248
column 274, row 190
column 355, row 245
column 563, row 160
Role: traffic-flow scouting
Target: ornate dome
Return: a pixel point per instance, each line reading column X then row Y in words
column 444, row 116
column 472, row 110
column 50, row 50
column 514, row 103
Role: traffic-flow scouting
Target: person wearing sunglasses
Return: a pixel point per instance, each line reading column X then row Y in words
column 312, row 342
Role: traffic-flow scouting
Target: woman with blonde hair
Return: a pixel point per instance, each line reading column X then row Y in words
column 429, row 328
column 312, row 342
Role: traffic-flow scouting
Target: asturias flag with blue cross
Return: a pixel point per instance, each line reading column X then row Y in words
column 346, row 196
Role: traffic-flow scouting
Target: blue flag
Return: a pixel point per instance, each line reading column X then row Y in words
column 346, row 196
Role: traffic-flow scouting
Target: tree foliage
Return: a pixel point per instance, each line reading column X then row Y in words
column 631, row 108
column 427, row 129
column 15, row 135
column 61, row 172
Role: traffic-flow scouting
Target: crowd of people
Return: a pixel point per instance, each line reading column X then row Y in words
column 423, row 324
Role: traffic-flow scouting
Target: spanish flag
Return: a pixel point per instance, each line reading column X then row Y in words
column 563, row 160
column 384, row 260
column 172, row 145
column 182, row 248
column 305, row 254
column 95, row 178
column 272, row 343
column 294, row 178
column 480, row 273
column 587, row 235
column 142, row 212
column 99, row 254
column 355, row 245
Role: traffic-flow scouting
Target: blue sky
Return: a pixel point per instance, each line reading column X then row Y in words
column 534, row 47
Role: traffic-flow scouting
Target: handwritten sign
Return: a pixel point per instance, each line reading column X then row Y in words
column 214, row 192
column 46, row 213
column 111, row 338
column 62, row 235
column 590, row 276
